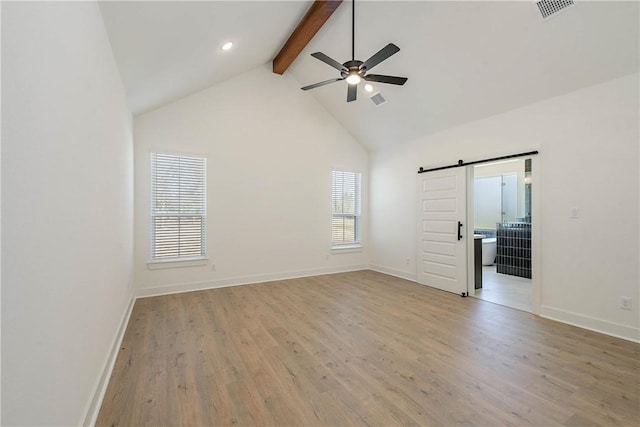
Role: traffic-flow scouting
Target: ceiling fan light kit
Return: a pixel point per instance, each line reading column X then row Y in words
column 355, row 71
column 353, row 78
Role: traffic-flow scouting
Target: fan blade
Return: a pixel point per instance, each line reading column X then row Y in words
column 393, row 80
column 382, row 54
column 352, row 91
column 326, row 82
column 324, row 58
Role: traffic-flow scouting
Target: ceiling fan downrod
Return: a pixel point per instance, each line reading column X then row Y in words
column 353, row 30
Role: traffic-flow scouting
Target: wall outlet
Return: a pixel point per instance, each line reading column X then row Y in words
column 625, row 303
column 213, row 267
column 574, row 213
column 408, row 261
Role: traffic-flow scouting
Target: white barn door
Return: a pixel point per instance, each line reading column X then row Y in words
column 442, row 230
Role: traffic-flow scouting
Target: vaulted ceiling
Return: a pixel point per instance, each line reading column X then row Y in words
column 464, row 60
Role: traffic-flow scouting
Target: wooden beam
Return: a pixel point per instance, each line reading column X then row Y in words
column 313, row 20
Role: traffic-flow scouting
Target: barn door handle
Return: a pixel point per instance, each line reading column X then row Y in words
column 459, row 232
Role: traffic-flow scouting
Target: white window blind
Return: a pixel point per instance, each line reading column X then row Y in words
column 345, row 195
column 178, row 207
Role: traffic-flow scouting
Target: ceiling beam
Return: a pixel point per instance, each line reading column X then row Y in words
column 313, row 20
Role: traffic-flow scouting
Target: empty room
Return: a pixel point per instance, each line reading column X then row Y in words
column 320, row 213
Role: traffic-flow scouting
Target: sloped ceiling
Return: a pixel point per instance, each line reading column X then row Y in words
column 166, row 50
column 464, row 60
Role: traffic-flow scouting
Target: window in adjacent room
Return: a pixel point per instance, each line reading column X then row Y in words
column 178, row 207
column 345, row 224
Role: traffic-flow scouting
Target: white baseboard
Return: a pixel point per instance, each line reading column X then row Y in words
column 597, row 325
column 243, row 280
column 393, row 272
column 93, row 406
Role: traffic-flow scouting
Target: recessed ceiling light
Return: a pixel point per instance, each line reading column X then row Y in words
column 227, row 46
column 368, row 87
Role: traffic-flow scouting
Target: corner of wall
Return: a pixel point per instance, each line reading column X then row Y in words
column 90, row 414
column 394, row 272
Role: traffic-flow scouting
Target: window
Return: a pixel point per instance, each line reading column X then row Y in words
column 345, row 195
column 178, row 207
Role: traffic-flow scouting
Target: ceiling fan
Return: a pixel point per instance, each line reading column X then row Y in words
column 355, row 71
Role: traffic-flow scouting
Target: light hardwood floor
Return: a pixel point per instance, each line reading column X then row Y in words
column 362, row 348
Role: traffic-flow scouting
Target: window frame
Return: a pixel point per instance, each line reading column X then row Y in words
column 155, row 262
column 356, row 244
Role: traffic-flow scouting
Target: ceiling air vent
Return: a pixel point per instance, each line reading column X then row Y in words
column 378, row 99
column 551, row 7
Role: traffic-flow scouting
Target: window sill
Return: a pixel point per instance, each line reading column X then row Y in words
column 186, row 262
column 345, row 249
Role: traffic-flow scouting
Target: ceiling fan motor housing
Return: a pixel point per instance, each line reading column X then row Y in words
column 352, row 67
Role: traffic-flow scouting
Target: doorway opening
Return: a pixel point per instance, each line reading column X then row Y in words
column 502, row 233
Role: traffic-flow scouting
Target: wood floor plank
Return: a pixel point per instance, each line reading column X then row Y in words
column 362, row 349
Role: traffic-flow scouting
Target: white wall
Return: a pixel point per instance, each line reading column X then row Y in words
column 67, row 211
column 588, row 142
column 270, row 149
